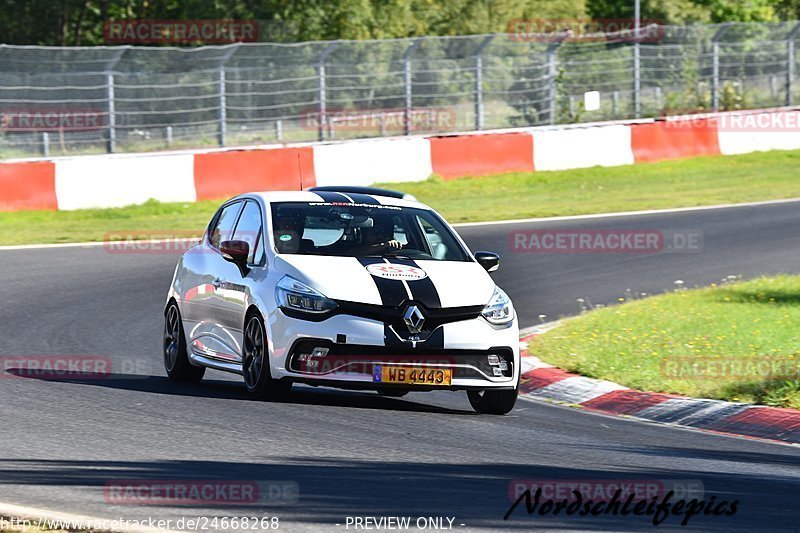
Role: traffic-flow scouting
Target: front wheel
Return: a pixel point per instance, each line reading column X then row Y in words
column 255, row 363
column 176, row 359
column 493, row 402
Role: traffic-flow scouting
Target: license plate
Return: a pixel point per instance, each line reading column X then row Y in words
column 409, row 375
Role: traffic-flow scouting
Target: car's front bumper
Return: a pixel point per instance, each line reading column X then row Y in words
column 353, row 346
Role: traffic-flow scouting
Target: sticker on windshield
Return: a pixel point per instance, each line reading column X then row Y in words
column 350, row 204
column 285, row 238
column 401, row 272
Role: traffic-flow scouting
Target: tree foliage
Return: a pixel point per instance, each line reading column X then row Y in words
column 80, row 22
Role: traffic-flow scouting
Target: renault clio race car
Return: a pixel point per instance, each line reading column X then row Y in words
column 355, row 288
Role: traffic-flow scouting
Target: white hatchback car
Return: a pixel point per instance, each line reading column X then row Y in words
column 346, row 287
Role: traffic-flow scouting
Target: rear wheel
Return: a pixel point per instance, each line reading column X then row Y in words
column 255, row 363
column 493, row 402
column 176, row 359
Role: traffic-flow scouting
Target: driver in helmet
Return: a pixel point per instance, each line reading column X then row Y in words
column 380, row 237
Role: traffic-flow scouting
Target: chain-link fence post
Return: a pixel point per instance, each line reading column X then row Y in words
column 790, row 63
column 222, row 102
column 637, row 60
column 322, row 111
column 479, row 82
column 552, row 75
column 112, row 122
column 222, row 115
column 111, row 144
column 407, row 85
column 715, row 65
column 637, row 78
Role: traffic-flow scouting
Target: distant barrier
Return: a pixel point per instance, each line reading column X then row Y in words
column 118, row 180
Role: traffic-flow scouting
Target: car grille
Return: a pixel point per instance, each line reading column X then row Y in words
column 393, row 316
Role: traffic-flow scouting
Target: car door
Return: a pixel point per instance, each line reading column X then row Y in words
column 210, row 308
column 231, row 292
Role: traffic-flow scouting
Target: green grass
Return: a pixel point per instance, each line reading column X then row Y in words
column 682, row 183
column 702, row 343
column 679, row 183
column 150, row 220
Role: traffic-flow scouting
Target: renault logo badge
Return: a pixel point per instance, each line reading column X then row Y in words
column 414, row 319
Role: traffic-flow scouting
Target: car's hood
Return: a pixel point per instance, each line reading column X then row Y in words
column 378, row 282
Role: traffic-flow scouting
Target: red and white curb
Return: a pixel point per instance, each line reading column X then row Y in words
column 541, row 381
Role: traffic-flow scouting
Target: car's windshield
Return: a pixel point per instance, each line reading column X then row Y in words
column 362, row 230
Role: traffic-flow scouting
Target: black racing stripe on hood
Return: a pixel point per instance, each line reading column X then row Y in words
column 392, row 291
column 361, row 198
column 423, row 290
column 333, row 197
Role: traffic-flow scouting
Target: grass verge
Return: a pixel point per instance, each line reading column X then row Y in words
column 680, row 183
column 149, row 220
column 737, row 342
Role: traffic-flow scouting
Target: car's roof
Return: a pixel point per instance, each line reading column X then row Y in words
column 309, row 196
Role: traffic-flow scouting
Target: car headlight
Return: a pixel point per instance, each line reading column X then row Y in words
column 499, row 310
column 297, row 296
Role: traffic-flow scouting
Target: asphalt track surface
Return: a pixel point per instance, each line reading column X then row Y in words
column 357, row 454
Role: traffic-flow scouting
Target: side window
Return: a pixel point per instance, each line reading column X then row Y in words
column 224, row 224
column 249, row 230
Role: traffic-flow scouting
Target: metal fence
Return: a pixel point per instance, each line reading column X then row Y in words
column 145, row 98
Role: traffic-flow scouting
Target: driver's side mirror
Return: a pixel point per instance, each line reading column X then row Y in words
column 488, row 260
column 236, row 252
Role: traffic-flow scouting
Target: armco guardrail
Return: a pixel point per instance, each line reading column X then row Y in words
column 117, row 180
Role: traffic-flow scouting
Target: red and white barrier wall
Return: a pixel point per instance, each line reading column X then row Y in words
column 117, row 180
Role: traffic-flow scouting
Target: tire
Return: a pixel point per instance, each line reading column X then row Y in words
column 255, row 363
column 176, row 358
column 392, row 393
column 493, row 402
